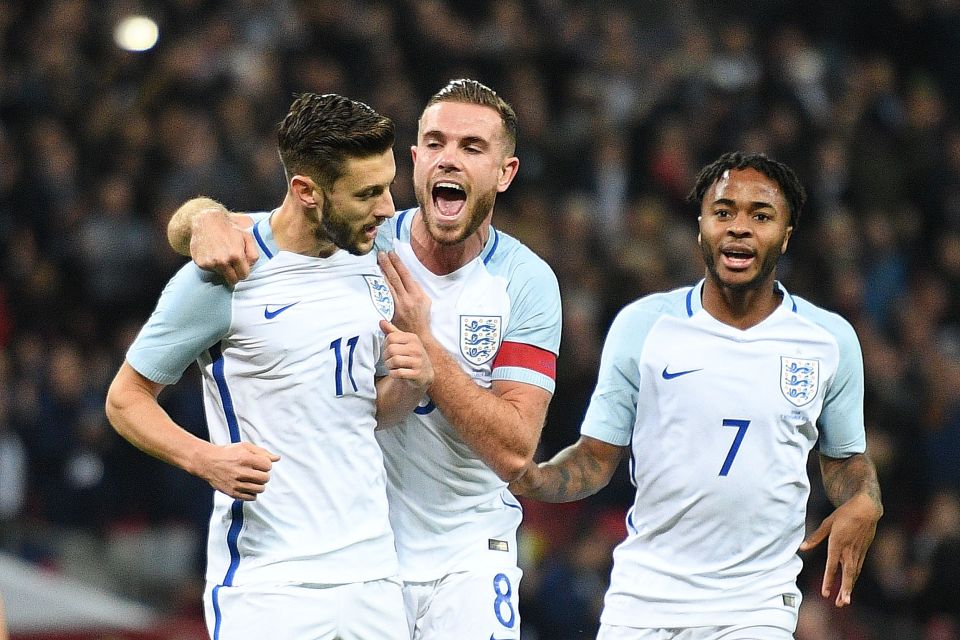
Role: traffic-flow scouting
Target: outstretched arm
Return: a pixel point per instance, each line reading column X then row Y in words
column 851, row 485
column 239, row 470
column 578, row 471
column 502, row 424
column 216, row 239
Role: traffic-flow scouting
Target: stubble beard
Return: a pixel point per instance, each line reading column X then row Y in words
column 335, row 229
column 767, row 267
column 476, row 214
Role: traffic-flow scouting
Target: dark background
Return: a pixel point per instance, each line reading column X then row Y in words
column 619, row 104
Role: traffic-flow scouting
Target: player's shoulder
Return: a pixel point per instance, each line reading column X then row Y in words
column 396, row 227
column 829, row 321
column 508, row 256
column 635, row 320
column 670, row 303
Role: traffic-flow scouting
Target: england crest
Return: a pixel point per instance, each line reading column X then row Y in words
column 479, row 338
column 799, row 379
column 380, row 295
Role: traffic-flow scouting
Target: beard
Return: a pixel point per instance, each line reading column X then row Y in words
column 475, row 215
column 337, row 230
column 767, row 266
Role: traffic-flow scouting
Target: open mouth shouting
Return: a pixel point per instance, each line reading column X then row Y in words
column 449, row 199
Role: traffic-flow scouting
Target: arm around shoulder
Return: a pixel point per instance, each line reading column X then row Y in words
column 216, row 239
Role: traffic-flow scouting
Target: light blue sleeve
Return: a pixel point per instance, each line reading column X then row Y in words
column 841, row 419
column 535, row 315
column 613, row 406
column 535, row 318
column 193, row 314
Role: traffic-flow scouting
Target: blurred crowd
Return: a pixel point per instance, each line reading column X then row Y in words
column 619, row 104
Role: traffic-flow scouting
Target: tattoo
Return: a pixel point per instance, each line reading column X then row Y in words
column 843, row 478
column 564, row 489
column 574, row 474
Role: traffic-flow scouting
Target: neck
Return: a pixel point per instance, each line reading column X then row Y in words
column 740, row 308
column 443, row 259
column 297, row 230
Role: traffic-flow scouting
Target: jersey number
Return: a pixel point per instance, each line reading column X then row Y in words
column 336, row 347
column 741, row 426
column 504, row 590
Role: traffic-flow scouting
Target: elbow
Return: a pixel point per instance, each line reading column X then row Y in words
column 113, row 409
column 510, row 468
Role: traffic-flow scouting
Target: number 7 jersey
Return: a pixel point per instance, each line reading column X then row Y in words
column 720, row 422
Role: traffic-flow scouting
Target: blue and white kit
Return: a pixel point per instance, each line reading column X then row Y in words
column 720, row 422
column 288, row 359
column 499, row 315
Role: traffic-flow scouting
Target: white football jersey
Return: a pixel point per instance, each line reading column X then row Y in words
column 720, row 422
column 500, row 317
column 288, row 359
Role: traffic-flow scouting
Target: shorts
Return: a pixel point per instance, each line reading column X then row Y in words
column 480, row 604
column 354, row 611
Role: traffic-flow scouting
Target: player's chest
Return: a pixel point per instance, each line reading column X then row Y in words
column 309, row 313
column 470, row 321
column 703, row 373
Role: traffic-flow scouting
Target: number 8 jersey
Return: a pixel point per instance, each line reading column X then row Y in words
column 499, row 315
column 720, row 422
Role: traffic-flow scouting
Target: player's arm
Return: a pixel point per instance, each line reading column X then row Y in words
column 216, row 239
column 410, row 374
column 851, row 485
column 501, row 425
column 578, row 471
column 239, row 470
column 4, row 634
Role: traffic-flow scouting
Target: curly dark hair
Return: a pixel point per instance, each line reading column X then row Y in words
column 793, row 191
column 321, row 132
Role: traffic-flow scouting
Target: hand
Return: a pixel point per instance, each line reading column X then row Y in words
column 411, row 303
column 405, row 357
column 239, row 470
column 849, row 530
column 218, row 244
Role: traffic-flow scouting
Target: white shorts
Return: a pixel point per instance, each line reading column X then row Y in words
column 729, row 632
column 355, row 611
column 467, row 605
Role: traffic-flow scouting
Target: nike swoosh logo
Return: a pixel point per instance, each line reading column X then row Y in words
column 270, row 314
column 492, row 638
column 667, row 375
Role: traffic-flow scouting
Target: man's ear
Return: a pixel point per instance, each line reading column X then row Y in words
column 786, row 240
column 508, row 171
column 305, row 191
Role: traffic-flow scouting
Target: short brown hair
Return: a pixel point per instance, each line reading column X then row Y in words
column 473, row 92
column 321, row 132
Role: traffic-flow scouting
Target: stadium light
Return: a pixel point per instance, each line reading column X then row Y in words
column 136, row 33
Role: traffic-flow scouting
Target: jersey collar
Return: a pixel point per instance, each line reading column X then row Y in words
column 695, row 293
column 263, row 234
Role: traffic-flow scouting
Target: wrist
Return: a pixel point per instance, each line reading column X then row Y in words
column 195, row 462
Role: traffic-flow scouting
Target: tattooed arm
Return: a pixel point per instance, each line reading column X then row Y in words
column 851, row 485
column 578, row 471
